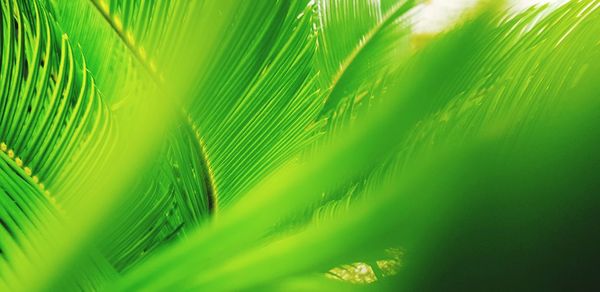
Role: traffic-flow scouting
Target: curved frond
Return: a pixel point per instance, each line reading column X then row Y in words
column 168, row 200
column 54, row 130
column 526, row 72
column 358, row 43
column 53, row 118
column 26, row 211
column 136, row 33
column 140, row 35
column 432, row 82
column 259, row 95
column 268, row 145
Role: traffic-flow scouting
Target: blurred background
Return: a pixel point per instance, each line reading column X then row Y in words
column 435, row 15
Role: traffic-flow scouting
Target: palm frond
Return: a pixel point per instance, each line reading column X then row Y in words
column 288, row 145
column 169, row 199
column 52, row 114
column 258, row 95
column 76, row 237
column 54, row 124
column 506, row 94
column 358, row 43
column 297, row 186
column 136, row 33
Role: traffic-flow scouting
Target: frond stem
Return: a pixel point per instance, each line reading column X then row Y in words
column 128, row 39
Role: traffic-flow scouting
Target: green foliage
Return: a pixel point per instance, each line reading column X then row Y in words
column 289, row 145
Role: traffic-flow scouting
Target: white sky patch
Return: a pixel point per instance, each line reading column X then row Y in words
column 524, row 4
column 436, row 15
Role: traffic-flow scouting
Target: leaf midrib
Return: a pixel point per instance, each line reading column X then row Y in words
column 129, row 42
column 389, row 17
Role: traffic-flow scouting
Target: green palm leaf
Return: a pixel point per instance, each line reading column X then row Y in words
column 123, row 28
column 295, row 145
column 54, row 123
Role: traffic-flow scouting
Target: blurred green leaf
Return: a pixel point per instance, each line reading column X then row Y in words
column 268, row 145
